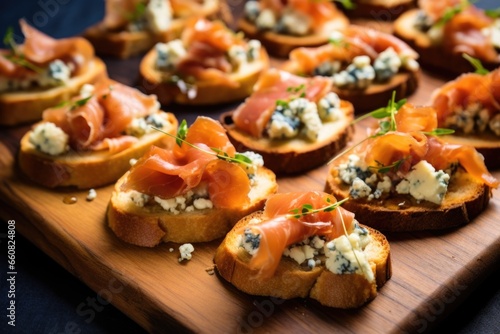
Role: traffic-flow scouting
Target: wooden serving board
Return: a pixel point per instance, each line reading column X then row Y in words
column 433, row 272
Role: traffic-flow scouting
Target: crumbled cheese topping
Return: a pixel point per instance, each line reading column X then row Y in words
column 91, row 195
column 186, row 251
column 423, row 182
column 345, row 256
column 359, row 74
column 49, row 138
column 143, row 125
column 169, row 54
column 158, row 15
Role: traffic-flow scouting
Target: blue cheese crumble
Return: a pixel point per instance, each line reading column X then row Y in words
column 291, row 22
column 169, row 54
column 359, row 74
column 423, row 182
column 301, row 116
column 345, row 256
column 473, row 118
column 186, row 252
column 143, row 125
column 49, row 138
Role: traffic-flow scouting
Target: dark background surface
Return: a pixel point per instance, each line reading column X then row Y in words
column 51, row 300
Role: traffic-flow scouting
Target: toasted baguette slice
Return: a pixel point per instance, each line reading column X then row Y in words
column 377, row 94
column 291, row 156
column 280, row 45
column 150, row 225
column 432, row 56
column 382, row 10
column 293, row 281
column 465, row 200
column 87, row 169
column 208, row 92
column 125, row 44
column 27, row 106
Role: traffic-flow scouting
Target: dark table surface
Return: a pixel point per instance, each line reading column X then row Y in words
column 51, row 300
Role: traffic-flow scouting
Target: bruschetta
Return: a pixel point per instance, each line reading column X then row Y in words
column 42, row 72
column 295, row 123
column 304, row 245
column 208, row 65
column 89, row 141
column 365, row 65
column 282, row 26
column 403, row 177
column 132, row 27
column 470, row 104
column 441, row 31
column 193, row 192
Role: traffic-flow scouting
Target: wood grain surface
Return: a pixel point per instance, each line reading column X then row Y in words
column 433, row 272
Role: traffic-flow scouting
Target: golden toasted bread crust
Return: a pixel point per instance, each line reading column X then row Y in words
column 88, row 169
column 466, row 199
column 207, row 92
column 150, row 225
column 293, row 281
column 295, row 155
column 280, row 45
column 434, row 57
column 27, row 106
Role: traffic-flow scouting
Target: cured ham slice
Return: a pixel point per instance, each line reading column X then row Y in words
column 280, row 229
column 170, row 173
column 274, row 85
column 91, row 121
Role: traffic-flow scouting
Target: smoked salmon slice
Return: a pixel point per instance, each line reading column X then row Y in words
column 105, row 114
column 275, row 85
column 170, row 173
column 280, row 228
column 40, row 49
column 415, row 145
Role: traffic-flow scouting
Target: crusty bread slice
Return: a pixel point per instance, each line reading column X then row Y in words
column 27, row 105
column 87, row 169
column 432, row 56
column 465, row 199
column 150, row 225
column 293, row 281
column 291, row 156
column 125, row 44
column 208, row 92
column 280, row 45
column 375, row 95
column 381, row 10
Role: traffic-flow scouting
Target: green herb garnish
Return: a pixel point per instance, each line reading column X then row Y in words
column 180, row 138
column 347, row 4
column 308, row 209
column 384, row 169
column 439, row 132
column 451, row 12
column 16, row 57
column 476, row 63
column 493, row 13
column 138, row 13
column 81, row 102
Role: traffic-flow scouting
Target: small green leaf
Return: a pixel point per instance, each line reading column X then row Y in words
column 181, row 132
column 347, row 4
column 493, row 13
column 476, row 63
column 308, row 209
column 439, row 132
column 81, row 102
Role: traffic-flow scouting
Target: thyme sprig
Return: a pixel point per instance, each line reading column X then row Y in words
column 16, row 56
column 476, row 63
column 295, row 93
column 384, row 169
column 180, row 138
column 384, row 125
column 387, row 125
column 308, row 209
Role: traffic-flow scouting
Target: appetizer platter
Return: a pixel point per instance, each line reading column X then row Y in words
column 421, row 276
